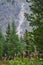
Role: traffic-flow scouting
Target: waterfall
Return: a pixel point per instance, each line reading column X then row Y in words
column 21, row 18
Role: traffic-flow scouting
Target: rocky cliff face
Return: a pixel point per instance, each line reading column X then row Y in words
column 13, row 9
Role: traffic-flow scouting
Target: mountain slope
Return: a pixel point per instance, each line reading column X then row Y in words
column 13, row 9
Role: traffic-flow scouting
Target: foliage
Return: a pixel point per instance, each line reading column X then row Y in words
column 36, row 21
column 23, row 63
column 1, row 44
column 7, row 39
column 29, row 41
column 13, row 44
column 12, row 40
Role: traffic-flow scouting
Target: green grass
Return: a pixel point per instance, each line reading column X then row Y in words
column 23, row 63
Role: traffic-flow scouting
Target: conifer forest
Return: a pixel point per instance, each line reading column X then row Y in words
column 21, row 32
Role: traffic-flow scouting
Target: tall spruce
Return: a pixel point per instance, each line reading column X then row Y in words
column 26, row 40
column 36, row 21
column 1, row 44
column 8, row 32
column 12, row 40
column 29, row 41
column 7, row 40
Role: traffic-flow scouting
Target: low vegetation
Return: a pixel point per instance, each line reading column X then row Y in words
column 22, row 62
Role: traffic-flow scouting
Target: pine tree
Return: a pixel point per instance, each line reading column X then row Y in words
column 12, row 40
column 22, row 45
column 8, row 32
column 36, row 21
column 1, row 44
column 29, row 41
column 26, row 40
column 7, row 40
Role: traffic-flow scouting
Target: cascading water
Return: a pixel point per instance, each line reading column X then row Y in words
column 21, row 19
